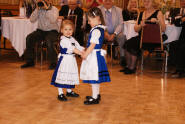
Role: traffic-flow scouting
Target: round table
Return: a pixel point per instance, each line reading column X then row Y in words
column 16, row 29
column 171, row 31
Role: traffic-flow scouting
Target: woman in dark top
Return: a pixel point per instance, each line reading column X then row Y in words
column 132, row 11
column 132, row 45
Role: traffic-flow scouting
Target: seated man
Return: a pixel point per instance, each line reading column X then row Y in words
column 177, row 50
column 114, row 22
column 73, row 9
column 46, row 15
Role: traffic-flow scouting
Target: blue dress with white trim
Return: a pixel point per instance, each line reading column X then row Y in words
column 103, row 74
column 66, row 72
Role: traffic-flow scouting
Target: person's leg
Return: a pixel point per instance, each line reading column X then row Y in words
column 174, row 46
column 95, row 90
column 180, row 62
column 71, row 93
column 61, row 95
column 121, row 40
column 127, row 59
column 132, row 64
column 95, row 95
column 31, row 39
column 51, row 37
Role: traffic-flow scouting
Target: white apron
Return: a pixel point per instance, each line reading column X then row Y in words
column 89, row 66
column 68, row 70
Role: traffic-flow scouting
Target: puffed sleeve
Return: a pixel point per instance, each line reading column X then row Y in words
column 77, row 45
column 95, row 36
column 65, row 43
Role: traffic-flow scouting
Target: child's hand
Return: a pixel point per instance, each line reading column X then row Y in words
column 84, row 56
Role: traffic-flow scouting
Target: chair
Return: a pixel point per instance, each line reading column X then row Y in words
column 151, row 34
column 4, row 13
column 113, row 45
column 43, row 47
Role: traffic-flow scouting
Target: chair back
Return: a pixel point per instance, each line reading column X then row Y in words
column 151, row 34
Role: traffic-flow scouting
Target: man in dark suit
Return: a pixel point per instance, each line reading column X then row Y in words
column 73, row 9
column 177, row 48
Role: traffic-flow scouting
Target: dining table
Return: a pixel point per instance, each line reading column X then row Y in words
column 172, row 31
column 15, row 29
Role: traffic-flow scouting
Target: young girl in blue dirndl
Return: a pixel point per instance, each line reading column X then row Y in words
column 66, row 72
column 94, row 69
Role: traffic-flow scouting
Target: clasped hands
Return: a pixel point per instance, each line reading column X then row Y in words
column 152, row 20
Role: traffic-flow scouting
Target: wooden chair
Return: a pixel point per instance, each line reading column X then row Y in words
column 151, row 34
column 4, row 13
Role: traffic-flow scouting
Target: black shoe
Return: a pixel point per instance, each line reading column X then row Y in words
column 72, row 94
column 62, row 97
column 130, row 71
column 52, row 66
column 178, row 74
column 123, row 70
column 28, row 64
column 98, row 98
column 91, row 101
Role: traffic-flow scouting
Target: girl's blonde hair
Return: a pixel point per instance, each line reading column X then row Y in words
column 129, row 2
column 67, row 22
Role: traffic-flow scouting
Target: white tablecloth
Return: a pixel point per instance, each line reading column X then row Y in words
column 172, row 31
column 16, row 29
column 129, row 31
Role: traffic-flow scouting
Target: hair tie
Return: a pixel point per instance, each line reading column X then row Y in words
column 94, row 13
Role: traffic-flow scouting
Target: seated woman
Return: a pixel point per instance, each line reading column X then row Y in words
column 132, row 46
column 132, row 11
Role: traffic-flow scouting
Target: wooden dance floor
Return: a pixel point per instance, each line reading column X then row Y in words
column 26, row 97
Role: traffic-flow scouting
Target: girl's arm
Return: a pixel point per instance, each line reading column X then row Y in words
column 88, row 51
column 77, row 51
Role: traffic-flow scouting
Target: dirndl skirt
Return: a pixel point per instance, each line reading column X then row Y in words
column 102, row 71
column 66, row 72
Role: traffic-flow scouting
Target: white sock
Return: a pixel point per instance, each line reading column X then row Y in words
column 95, row 90
column 60, row 91
column 69, row 90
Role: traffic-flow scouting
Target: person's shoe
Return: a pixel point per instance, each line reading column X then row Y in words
column 28, row 64
column 52, row 66
column 130, row 71
column 123, row 70
column 62, row 97
column 72, row 94
column 178, row 74
column 98, row 98
column 91, row 101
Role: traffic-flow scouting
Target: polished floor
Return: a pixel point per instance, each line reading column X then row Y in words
column 26, row 97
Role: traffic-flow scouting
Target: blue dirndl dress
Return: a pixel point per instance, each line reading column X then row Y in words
column 66, row 72
column 94, row 68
